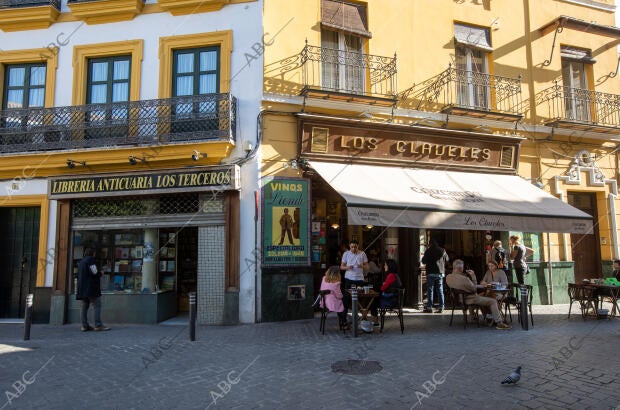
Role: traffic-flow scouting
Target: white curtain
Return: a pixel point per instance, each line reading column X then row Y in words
column 329, row 60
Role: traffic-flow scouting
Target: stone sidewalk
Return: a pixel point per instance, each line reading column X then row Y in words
column 567, row 364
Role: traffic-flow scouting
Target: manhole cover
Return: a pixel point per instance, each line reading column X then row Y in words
column 356, row 367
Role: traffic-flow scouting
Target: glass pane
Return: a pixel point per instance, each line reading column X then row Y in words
column 329, row 39
column 478, row 58
column 99, row 72
column 37, row 76
column 98, row 94
column 185, row 85
column 120, row 92
column 566, row 80
column 185, row 63
column 15, row 99
column 17, row 76
column 36, row 97
column 208, row 61
column 121, row 70
column 208, row 83
column 353, row 43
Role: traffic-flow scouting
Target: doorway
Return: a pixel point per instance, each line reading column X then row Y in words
column 585, row 251
column 19, row 241
column 187, row 269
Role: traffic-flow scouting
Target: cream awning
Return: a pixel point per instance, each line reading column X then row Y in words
column 437, row 199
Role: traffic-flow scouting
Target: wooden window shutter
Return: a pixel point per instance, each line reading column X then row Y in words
column 345, row 16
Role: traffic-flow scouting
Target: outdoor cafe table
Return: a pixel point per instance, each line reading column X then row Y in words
column 608, row 291
column 364, row 301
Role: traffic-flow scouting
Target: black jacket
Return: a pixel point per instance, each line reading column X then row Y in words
column 430, row 258
column 88, row 285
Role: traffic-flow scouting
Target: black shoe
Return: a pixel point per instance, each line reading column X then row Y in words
column 439, row 310
column 101, row 328
column 427, row 310
column 86, row 328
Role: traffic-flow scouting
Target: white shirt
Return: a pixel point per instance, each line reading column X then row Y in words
column 356, row 260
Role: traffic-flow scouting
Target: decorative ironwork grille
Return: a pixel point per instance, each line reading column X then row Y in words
column 364, row 74
column 178, row 119
column 579, row 105
column 131, row 206
column 470, row 90
column 4, row 4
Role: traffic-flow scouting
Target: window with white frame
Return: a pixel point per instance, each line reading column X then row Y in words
column 575, row 81
column 472, row 47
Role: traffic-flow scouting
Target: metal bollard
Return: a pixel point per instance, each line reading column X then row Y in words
column 524, row 321
column 28, row 316
column 354, row 310
column 192, row 316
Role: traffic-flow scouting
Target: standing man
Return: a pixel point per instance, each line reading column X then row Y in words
column 435, row 259
column 89, row 290
column 286, row 222
column 354, row 261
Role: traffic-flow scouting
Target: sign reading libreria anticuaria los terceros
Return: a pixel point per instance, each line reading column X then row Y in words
column 286, row 218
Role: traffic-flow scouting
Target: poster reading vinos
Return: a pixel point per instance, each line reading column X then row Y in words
column 286, row 220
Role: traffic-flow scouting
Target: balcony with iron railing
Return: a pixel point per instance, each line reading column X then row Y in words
column 16, row 15
column 581, row 109
column 197, row 118
column 469, row 93
column 29, row 3
column 335, row 74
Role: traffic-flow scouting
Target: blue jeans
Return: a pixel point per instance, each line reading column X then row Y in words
column 96, row 307
column 434, row 280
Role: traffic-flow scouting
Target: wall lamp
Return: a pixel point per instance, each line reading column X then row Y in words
column 197, row 155
column 133, row 160
column 71, row 163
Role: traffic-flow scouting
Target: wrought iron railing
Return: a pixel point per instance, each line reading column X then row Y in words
column 6, row 4
column 580, row 105
column 468, row 90
column 179, row 119
column 347, row 72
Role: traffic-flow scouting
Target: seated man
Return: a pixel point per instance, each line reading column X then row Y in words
column 466, row 281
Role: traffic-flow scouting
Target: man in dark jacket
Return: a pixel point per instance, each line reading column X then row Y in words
column 435, row 259
column 89, row 290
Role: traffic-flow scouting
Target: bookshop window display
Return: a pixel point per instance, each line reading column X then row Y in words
column 133, row 261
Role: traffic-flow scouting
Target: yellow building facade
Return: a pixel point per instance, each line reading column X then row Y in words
column 510, row 96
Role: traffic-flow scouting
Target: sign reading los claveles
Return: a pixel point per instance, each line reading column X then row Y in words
column 286, row 219
column 222, row 178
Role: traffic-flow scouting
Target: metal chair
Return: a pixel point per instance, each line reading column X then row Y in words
column 398, row 309
column 325, row 311
column 458, row 296
column 588, row 301
column 511, row 299
column 574, row 295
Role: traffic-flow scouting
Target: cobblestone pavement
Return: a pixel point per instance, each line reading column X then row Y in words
column 566, row 364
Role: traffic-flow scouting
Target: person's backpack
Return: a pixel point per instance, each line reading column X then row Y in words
column 500, row 256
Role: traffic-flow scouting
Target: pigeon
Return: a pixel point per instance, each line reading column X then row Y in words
column 514, row 377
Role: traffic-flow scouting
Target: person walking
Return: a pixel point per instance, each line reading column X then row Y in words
column 500, row 256
column 89, row 290
column 435, row 259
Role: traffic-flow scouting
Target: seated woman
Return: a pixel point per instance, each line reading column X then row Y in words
column 333, row 300
column 389, row 289
column 494, row 275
